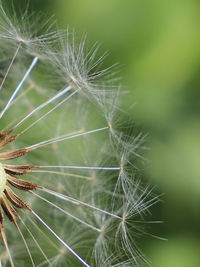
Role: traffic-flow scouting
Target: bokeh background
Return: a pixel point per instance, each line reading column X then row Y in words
column 157, row 44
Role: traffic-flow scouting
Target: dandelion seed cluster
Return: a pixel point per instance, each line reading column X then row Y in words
column 69, row 193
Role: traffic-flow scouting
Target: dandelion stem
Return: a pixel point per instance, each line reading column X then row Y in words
column 68, row 213
column 77, row 202
column 60, row 239
column 64, row 137
column 9, row 67
column 32, row 65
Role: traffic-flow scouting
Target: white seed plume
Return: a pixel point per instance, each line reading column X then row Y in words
column 68, row 189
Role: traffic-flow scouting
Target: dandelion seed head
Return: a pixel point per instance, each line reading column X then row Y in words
column 68, row 186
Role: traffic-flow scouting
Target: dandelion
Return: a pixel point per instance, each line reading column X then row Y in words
column 68, row 192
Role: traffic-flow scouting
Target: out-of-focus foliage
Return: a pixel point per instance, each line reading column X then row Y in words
column 158, row 45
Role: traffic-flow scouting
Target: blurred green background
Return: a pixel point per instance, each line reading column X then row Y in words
column 157, row 44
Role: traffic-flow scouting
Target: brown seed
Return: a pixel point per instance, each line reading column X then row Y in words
column 12, row 154
column 15, row 200
column 17, row 169
column 21, row 184
column 10, row 212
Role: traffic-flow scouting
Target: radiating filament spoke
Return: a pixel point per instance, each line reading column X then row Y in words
column 77, row 202
column 63, row 138
column 26, row 245
column 46, row 103
column 68, row 213
column 46, row 114
column 60, row 239
column 34, row 62
column 37, row 244
column 64, row 174
column 9, row 67
column 7, row 248
column 96, row 168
